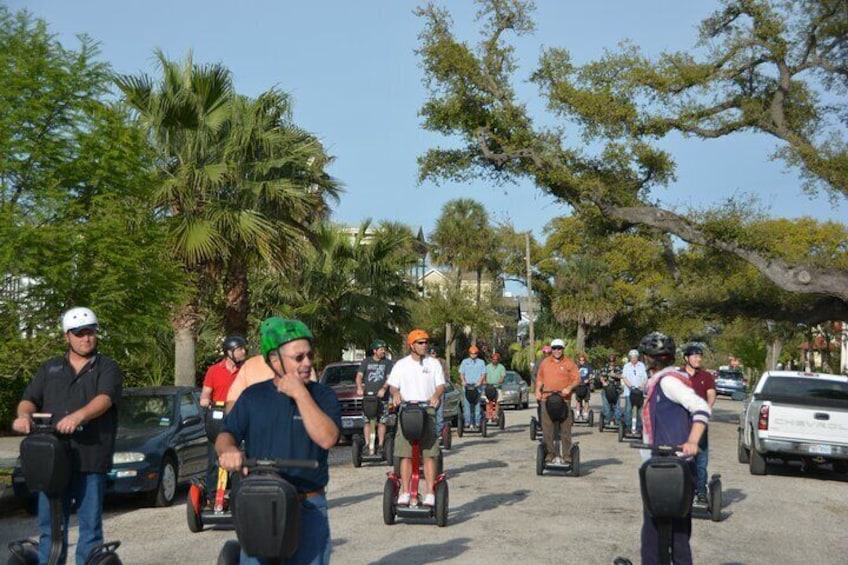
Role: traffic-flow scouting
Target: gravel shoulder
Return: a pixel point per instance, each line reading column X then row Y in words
column 500, row 511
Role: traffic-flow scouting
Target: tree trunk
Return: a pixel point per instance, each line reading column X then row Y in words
column 581, row 337
column 236, row 301
column 185, row 340
column 448, row 343
column 775, row 348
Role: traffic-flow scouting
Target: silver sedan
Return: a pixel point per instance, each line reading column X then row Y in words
column 514, row 392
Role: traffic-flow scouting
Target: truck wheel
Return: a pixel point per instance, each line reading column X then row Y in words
column 756, row 462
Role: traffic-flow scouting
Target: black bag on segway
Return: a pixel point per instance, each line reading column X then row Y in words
column 104, row 554
column 214, row 420
column 491, row 393
column 371, row 407
column 557, row 408
column 413, row 422
column 582, row 391
column 46, row 463
column 472, row 395
column 637, row 397
column 611, row 392
column 266, row 515
column 666, row 487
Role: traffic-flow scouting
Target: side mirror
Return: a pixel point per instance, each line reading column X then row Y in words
column 191, row 421
column 738, row 395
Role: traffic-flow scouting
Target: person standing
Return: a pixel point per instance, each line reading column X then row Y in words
column 634, row 375
column 288, row 417
column 371, row 377
column 704, row 385
column 557, row 374
column 472, row 371
column 674, row 415
column 417, row 378
column 587, row 374
column 610, row 378
column 440, row 411
column 81, row 389
column 216, row 385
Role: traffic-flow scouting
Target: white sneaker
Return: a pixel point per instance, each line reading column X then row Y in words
column 429, row 500
column 403, row 499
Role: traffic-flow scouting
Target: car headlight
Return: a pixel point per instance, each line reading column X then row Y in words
column 127, row 457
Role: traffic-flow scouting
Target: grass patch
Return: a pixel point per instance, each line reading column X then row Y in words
column 5, row 476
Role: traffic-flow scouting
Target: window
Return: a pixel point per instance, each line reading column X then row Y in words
column 188, row 407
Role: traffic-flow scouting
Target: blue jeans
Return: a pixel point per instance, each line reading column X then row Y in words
column 313, row 547
column 466, row 410
column 628, row 415
column 701, row 462
column 440, row 417
column 88, row 489
column 605, row 409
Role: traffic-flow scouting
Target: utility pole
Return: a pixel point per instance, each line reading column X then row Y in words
column 529, row 287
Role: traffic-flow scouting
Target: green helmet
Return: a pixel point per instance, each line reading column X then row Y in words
column 277, row 331
column 377, row 344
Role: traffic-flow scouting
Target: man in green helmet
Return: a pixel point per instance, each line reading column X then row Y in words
column 288, row 417
column 371, row 377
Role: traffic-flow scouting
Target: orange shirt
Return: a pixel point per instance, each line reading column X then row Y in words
column 556, row 375
column 255, row 370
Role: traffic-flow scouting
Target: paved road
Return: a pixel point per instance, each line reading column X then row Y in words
column 501, row 512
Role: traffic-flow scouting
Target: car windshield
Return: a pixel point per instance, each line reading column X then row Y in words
column 144, row 411
column 808, row 387
column 731, row 375
column 340, row 375
column 512, row 378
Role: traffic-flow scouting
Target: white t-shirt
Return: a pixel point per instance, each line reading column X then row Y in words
column 417, row 380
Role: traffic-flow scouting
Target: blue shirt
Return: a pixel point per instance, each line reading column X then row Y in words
column 636, row 375
column 472, row 369
column 270, row 425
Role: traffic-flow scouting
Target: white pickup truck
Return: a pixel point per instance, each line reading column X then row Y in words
column 795, row 416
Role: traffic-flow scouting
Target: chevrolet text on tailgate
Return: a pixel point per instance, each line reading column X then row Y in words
column 796, row 416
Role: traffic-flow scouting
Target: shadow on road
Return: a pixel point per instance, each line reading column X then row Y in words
column 587, row 467
column 732, row 496
column 484, row 504
column 349, row 500
column 473, row 467
column 427, row 553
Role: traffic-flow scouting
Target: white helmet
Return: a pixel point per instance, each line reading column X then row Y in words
column 633, row 353
column 558, row 343
column 77, row 318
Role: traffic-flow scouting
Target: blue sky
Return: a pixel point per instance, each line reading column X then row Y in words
column 351, row 69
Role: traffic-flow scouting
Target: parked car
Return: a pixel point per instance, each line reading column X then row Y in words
column 728, row 381
column 795, row 416
column 515, row 392
column 160, row 444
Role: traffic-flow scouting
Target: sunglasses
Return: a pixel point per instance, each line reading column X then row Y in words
column 557, row 348
column 421, row 342
column 82, row 332
column 301, row 356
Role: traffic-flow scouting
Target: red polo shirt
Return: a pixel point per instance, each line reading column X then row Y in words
column 219, row 378
column 702, row 381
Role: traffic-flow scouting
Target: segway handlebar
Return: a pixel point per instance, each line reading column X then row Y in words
column 664, row 450
column 42, row 422
column 253, row 462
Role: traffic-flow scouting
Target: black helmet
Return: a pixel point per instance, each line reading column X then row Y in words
column 656, row 344
column 233, row 342
column 433, row 349
column 693, row 349
column 377, row 344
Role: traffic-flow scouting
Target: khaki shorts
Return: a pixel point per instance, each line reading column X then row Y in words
column 429, row 445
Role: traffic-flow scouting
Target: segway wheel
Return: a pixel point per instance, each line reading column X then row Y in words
column 460, row 425
column 601, row 423
column 502, row 420
column 575, row 460
column 620, row 433
column 591, row 418
column 389, row 448
column 24, row 552
column 442, row 504
column 230, row 554
column 193, row 502
column 540, row 459
column 715, row 500
column 533, row 429
column 356, row 445
column 447, row 435
column 483, row 428
column 389, row 502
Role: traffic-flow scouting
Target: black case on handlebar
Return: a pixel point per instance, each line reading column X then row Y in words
column 46, row 463
column 582, row 391
column 637, row 397
column 472, row 395
column 491, row 393
column 557, row 408
column 266, row 514
column 611, row 392
column 413, row 421
column 370, row 407
column 214, row 421
column 666, row 487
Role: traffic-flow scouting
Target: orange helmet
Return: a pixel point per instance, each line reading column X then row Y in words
column 416, row 335
column 473, row 349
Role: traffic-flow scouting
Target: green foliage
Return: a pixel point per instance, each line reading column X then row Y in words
column 11, row 391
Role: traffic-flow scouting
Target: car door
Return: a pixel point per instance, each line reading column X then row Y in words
column 190, row 440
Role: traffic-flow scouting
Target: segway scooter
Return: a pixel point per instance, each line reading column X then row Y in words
column 46, row 466
column 557, row 408
column 198, row 514
column 413, row 424
column 581, row 391
column 612, row 394
column 371, row 406
column 637, row 398
column 266, row 512
column 493, row 411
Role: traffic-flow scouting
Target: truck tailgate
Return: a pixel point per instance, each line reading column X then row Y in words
column 808, row 424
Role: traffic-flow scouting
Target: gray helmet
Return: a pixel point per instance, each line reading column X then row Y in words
column 657, row 344
column 693, row 349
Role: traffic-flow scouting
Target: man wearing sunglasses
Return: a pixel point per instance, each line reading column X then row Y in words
column 81, row 389
column 288, row 417
column 557, row 374
column 417, row 378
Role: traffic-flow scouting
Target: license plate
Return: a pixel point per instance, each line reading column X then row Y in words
column 347, row 423
column 821, row 449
